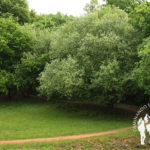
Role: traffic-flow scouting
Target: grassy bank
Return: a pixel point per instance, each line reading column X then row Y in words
column 36, row 119
column 127, row 140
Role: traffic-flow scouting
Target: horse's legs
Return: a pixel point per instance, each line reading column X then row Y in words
column 143, row 138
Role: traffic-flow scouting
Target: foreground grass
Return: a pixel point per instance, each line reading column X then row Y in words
column 127, row 140
column 35, row 119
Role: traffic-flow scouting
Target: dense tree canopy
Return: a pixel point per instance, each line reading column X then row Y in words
column 102, row 47
column 99, row 56
column 51, row 21
column 13, row 43
column 63, row 78
column 126, row 5
column 33, row 62
column 16, row 8
column 140, row 18
column 142, row 71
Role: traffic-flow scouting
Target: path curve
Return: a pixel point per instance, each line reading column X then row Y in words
column 60, row 138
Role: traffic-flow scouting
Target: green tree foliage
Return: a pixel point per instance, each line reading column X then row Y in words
column 92, row 6
column 98, row 41
column 7, row 82
column 93, row 57
column 33, row 16
column 13, row 43
column 51, row 20
column 126, row 5
column 33, row 62
column 16, row 8
column 61, row 77
column 141, row 73
column 140, row 18
column 108, row 81
column 122, row 4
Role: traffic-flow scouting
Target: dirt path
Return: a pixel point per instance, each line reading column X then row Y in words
column 64, row 137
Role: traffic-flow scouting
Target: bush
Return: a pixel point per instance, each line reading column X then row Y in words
column 61, row 77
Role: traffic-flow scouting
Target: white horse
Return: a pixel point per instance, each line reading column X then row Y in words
column 141, row 128
column 147, row 123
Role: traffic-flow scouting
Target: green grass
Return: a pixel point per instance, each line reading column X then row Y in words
column 34, row 119
column 127, row 140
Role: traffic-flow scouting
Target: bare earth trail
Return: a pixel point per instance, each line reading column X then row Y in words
column 65, row 137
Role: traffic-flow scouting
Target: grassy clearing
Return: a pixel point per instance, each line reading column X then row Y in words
column 35, row 119
column 127, row 140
